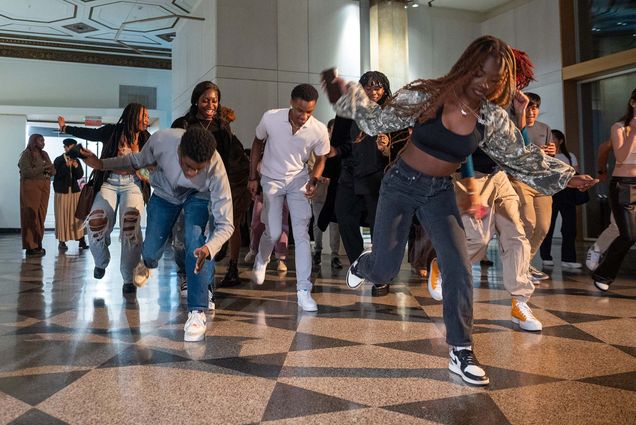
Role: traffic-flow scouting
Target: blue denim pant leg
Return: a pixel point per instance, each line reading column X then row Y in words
column 405, row 192
column 196, row 214
column 161, row 218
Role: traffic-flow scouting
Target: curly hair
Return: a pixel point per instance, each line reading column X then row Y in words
column 376, row 78
column 306, row 92
column 470, row 62
column 197, row 144
column 128, row 122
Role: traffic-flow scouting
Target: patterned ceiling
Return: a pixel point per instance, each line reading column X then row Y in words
column 118, row 32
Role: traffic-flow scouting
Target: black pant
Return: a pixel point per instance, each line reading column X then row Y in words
column 350, row 208
column 622, row 197
column 562, row 203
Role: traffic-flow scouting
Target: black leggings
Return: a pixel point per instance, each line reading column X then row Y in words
column 622, row 197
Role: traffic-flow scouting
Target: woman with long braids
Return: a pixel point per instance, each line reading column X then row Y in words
column 451, row 116
column 622, row 196
column 206, row 112
column 123, row 190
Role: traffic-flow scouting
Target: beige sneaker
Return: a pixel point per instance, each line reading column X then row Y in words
column 282, row 267
column 522, row 316
column 140, row 274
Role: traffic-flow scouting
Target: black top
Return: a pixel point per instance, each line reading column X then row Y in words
column 438, row 141
column 109, row 135
column 483, row 163
column 65, row 176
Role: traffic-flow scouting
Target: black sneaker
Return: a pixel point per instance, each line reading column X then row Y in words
column 464, row 363
column 336, row 264
column 62, row 246
column 98, row 273
column 37, row 252
column 353, row 280
column 380, row 290
column 129, row 288
column 232, row 277
column 317, row 259
column 83, row 244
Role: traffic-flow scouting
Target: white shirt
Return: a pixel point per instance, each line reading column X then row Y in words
column 286, row 154
column 564, row 158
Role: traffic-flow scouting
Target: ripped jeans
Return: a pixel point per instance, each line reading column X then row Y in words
column 123, row 193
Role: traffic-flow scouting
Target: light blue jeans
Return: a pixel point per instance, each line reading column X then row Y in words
column 162, row 216
column 123, row 193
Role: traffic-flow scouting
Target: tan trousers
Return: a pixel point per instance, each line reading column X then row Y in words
column 502, row 218
column 34, row 201
column 536, row 214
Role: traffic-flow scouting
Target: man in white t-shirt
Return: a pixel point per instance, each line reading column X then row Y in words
column 288, row 137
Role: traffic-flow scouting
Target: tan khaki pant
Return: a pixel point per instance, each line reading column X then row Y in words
column 503, row 218
column 536, row 214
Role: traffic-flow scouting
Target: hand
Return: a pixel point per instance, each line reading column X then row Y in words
column 252, row 186
column 310, row 189
column 520, row 103
column 382, row 141
column 201, row 255
column 332, row 152
column 61, row 123
column 476, row 209
column 549, row 149
column 582, row 182
column 325, row 181
column 91, row 159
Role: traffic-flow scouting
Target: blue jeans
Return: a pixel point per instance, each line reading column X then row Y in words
column 405, row 192
column 161, row 218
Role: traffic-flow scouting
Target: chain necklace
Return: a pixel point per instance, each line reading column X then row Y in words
column 205, row 127
column 463, row 110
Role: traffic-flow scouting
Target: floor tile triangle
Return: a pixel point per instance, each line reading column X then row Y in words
column 303, row 341
column 573, row 317
column 629, row 350
column 569, row 331
column 624, row 381
column 135, row 355
column 34, row 389
column 501, row 379
column 288, row 401
column 467, row 409
column 35, row 416
column 434, row 347
column 264, row 366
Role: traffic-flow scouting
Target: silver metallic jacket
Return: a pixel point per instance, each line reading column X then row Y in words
column 502, row 141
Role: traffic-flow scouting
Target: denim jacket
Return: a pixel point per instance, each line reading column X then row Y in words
column 503, row 142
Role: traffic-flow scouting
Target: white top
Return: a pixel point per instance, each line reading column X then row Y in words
column 170, row 184
column 564, row 158
column 286, row 154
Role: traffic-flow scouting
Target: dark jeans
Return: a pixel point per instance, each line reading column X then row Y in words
column 405, row 192
column 622, row 197
column 562, row 203
column 162, row 216
column 349, row 212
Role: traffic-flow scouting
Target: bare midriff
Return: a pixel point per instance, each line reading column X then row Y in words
column 426, row 163
column 624, row 170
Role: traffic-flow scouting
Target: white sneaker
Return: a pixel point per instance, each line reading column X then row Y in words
column 601, row 285
column 250, row 256
column 571, row 265
column 282, row 267
column 305, row 301
column 548, row 263
column 195, row 327
column 522, row 316
column 141, row 274
column 435, row 281
column 183, row 285
column 593, row 258
column 258, row 271
column 352, row 279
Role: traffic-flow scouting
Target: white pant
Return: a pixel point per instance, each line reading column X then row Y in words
column 274, row 194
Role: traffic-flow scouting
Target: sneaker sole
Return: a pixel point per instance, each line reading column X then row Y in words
column 604, row 288
column 193, row 338
column 456, row 370
column 349, row 273
column 518, row 322
column 311, row 309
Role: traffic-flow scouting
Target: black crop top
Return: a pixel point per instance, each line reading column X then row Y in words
column 438, row 141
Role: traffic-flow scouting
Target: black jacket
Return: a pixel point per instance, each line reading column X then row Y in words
column 66, row 177
column 108, row 135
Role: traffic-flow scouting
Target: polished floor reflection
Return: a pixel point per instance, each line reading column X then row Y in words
column 74, row 350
